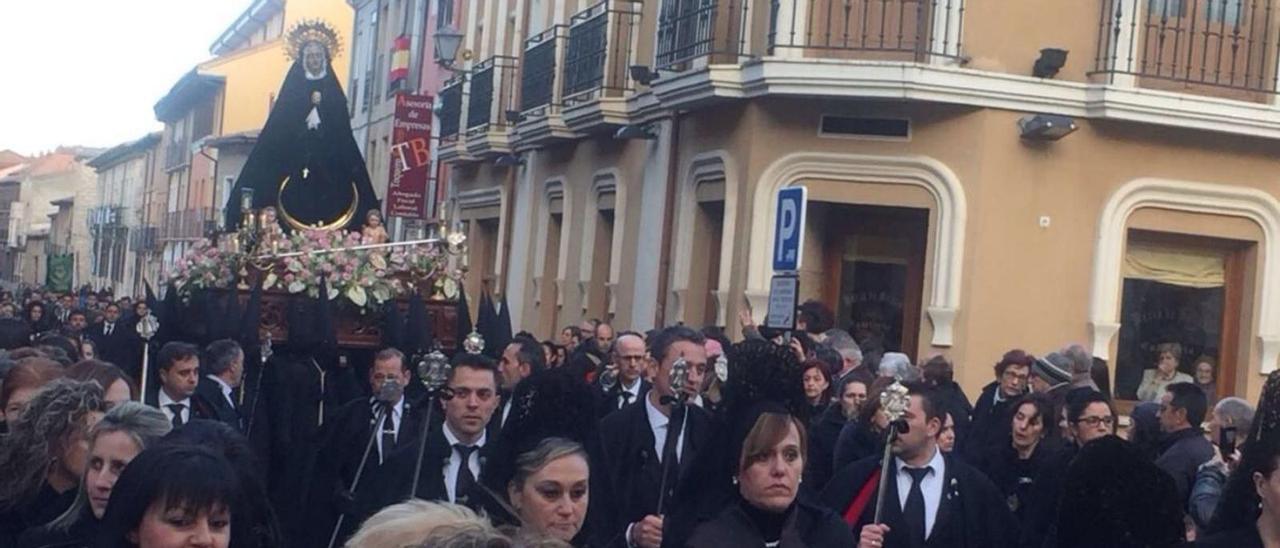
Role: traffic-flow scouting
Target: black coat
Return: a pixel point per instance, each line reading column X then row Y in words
column 957, row 404
column 632, row 470
column 971, row 513
column 1246, row 537
column 806, row 526
column 856, row 442
column 1016, row 478
column 116, row 348
column 989, row 428
column 210, row 394
column 609, row 402
column 1041, row 513
column 80, row 534
column 343, row 442
column 586, row 361
column 431, row 484
column 1183, row 453
column 1113, row 496
column 824, row 431
column 44, row 508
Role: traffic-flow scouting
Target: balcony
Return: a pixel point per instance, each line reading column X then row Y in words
column 1222, row 48
column 144, row 238
column 602, row 45
column 707, row 31
column 886, row 30
column 542, row 54
column 450, row 121
column 540, row 95
column 176, row 154
column 494, row 86
column 189, row 224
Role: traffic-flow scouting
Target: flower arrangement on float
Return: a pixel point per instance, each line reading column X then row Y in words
column 353, row 273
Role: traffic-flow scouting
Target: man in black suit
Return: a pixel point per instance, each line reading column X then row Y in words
column 75, row 326
column 217, row 389
column 932, row 499
column 456, row 449
column 521, row 358
column 178, row 365
column 392, row 423
column 112, row 340
column 642, row 442
column 629, row 359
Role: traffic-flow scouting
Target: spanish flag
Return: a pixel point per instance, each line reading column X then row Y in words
column 399, row 63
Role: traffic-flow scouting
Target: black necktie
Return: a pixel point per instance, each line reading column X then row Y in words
column 107, row 330
column 465, row 478
column 913, row 511
column 389, row 432
column 624, row 398
column 176, row 409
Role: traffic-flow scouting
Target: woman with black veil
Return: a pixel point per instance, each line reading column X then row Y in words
column 541, row 465
column 751, row 492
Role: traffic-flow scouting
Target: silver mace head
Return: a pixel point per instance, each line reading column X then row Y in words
column 433, row 370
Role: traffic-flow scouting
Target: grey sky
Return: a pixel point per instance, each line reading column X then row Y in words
column 87, row 72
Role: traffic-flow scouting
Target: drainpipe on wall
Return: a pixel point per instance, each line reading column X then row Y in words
column 508, row 212
column 664, row 262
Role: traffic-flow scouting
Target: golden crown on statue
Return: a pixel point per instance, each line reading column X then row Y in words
column 309, row 31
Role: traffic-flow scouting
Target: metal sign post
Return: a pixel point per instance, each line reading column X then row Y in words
column 788, row 250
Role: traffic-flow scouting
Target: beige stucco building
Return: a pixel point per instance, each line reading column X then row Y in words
column 48, row 214
column 934, row 225
column 123, row 238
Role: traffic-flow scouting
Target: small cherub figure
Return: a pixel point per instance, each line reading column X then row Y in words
column 373, row 232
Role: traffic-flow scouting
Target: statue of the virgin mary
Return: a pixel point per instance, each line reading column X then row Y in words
column 306, row 163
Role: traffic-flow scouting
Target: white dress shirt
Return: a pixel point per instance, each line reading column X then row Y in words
column 397, row 414
column 452, row 467
column 634, row 390
column 108, row 327
column 226, row 389
column 658, row 423
column 931, row 487
column 506, row 410
column 165, row 401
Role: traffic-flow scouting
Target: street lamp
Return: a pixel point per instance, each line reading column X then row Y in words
column 447, row 41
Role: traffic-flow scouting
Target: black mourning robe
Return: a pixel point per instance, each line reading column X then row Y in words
column 335, row 176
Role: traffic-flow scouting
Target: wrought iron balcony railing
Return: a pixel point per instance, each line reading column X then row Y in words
column 176, row 153
column 692, row 29
column 542, row 56
column 1213, row 47
column 451, row 107
column 493, row 87
column 600, row 49
column 898, row 30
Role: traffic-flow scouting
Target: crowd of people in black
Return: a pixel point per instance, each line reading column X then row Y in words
column 674, row 437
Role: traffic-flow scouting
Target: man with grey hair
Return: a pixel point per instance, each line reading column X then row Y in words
column 850, row 354
column 898, row 366
column 224, row 371
column 1234, row 416
column 1081, row 362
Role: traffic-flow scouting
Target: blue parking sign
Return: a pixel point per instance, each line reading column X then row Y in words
column 788, row 232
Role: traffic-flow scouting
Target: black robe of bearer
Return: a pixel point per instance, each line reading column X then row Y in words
column 327, row 180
